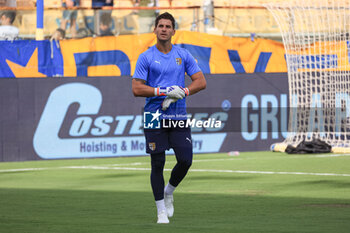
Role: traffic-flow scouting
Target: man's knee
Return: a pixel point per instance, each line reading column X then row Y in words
column 184, row 156
column 158, row 160
column 185, row 162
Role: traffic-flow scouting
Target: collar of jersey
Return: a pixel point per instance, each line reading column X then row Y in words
column 163, row 54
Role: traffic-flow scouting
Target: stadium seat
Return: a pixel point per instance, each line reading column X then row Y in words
column 27, row 23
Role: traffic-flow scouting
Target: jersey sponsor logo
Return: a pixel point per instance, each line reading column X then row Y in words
column 178, row 61
column 158, row 62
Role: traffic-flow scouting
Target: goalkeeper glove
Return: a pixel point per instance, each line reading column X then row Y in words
column 167, row 101
column 173, row 92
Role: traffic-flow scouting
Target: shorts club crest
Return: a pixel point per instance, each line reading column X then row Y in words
column 152, row 146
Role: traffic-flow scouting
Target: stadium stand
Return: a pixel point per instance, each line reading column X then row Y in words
column 238, row 18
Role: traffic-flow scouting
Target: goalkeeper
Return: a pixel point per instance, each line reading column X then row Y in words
column 160, row 76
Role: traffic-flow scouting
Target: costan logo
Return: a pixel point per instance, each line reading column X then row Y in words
column 89, row 134
column 72, row 126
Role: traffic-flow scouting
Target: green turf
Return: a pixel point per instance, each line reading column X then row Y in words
column 63, row 200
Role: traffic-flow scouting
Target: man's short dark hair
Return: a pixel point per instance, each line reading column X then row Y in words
column 165, row 15
column 63, row 32
column 9, row 14
column 106, row 19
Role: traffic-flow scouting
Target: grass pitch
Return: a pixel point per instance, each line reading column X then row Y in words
column 253, row 192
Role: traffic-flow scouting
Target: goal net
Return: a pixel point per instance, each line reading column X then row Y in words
column 317, row 41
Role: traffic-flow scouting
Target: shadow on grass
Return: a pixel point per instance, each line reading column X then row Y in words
column 221, row 177
column 67, row 211
column 118, row 175
column 328, row 184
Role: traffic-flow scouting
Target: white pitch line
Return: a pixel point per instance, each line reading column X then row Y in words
column 229, row 159
column 214, row 160
column 331, row 155
column 127, row 164
column 213, row 170
column 272, row 173
column 108, row 168
column 146, row 163
column 23, row 169
column 192, row 170
column 194, row 161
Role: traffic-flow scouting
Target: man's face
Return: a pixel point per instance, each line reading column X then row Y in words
column 57, row 35
column 104, row 27
column 164, row 30
column 2, row 20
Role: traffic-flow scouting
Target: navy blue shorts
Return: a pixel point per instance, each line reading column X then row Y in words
column 160, row 140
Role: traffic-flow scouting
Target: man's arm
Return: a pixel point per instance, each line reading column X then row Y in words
column 198, row 83
column 140, row 89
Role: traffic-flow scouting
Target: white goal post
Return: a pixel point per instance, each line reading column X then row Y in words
column 316, row 38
